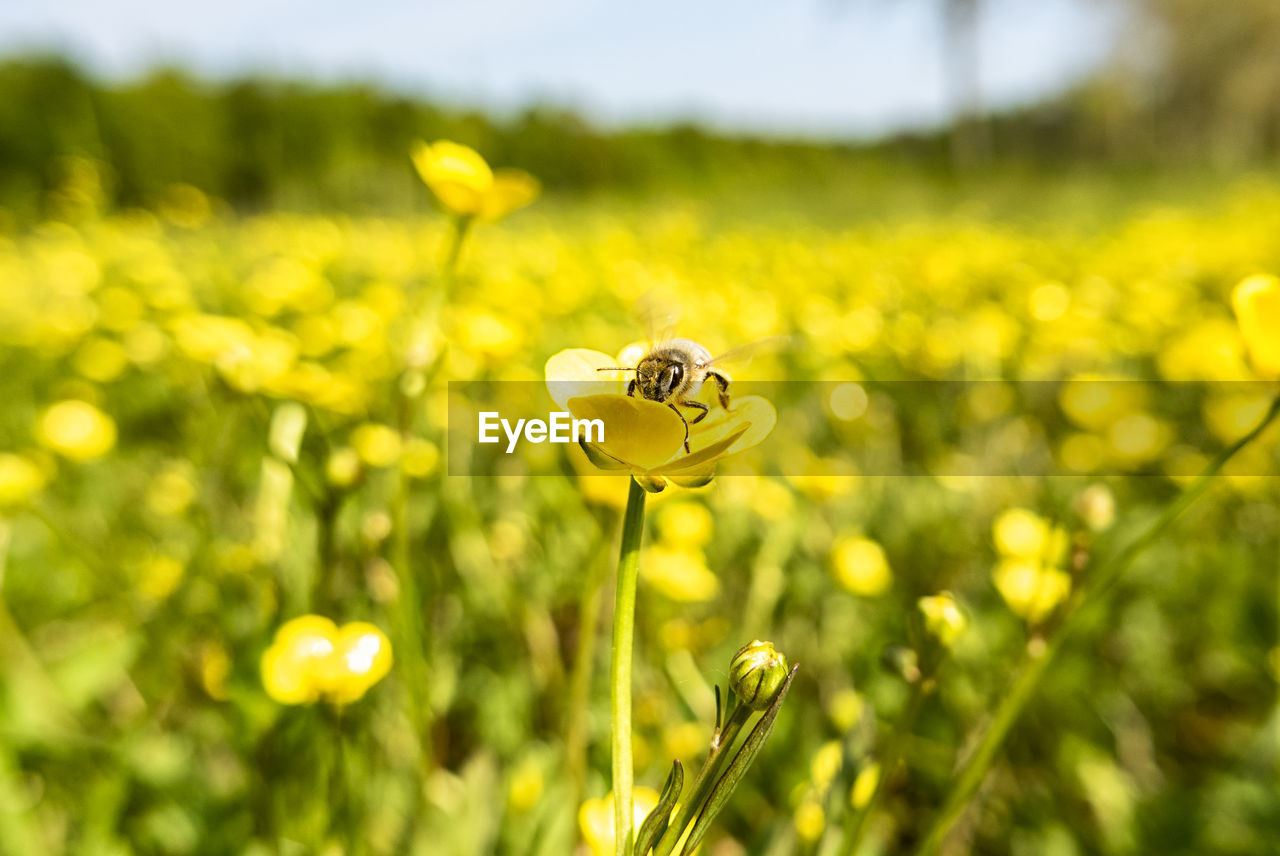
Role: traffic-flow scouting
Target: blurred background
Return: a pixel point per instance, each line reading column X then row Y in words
column 262, row 106
column 229, row 307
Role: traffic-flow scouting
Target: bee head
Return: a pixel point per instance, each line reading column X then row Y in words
column 658, row 377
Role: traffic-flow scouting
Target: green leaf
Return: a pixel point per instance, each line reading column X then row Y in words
column 656, row 823
column 724, row 788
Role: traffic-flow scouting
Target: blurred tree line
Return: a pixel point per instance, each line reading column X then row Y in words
column 1191, row 83
column 260, row 143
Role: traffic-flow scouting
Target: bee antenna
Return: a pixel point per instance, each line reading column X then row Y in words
column 617, row 369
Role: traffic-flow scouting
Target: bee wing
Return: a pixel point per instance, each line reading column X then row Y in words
column 743, row 354
column 659, row 314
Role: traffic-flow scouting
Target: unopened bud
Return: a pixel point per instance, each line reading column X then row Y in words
column 942, row 617
column 756, row 673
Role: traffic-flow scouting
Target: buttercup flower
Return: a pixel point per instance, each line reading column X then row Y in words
column 464, row 183
column 942, row 616
column 1028, row 575
column 1257, row 304
column 76, row 430
column 860, row 566
column 19, row 479
column 311, row 658
column 646, row 438
column 595, row 818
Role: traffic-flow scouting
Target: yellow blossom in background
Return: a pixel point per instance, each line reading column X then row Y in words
column 158, row 576
column 1022, row 533
column 826, row 764
column 172, row 490
column 685, row 524
column 525, row 786
column 342, row 468
column 679, row 573
column 810, row 820
column 860, row 566
column 1031, row 589
column 1096, row 506
column 312, row 659
column 465, row 184
column 595, row 819
column 1256, row 301
column 1028, row 576
column 942, row 616
column 76, row 430
column 420, row 458
column 864, row 786
column 377, row 445
column 20, row 479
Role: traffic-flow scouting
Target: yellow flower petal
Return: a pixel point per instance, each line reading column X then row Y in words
column 572, row 373
column 361, row 657
column 643, row 433
column 860, row 566
column 288, row 666
column 680, row 573
column 76, row 430
column 456, row 174
column 750, row 410
column 595, row 818
column 1257, row 304
column 511, row 189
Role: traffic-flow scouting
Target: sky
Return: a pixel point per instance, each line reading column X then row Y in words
column 787, row 67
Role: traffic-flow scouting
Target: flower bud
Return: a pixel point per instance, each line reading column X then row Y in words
column 942, row 616
column 756, row 673
column 901, row 661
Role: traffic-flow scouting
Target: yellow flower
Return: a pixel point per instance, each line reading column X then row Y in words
column 942, row 616
column 680, row 573
column 19, row 479
column 646, row 438
column 685, row 524
column 864, row 786
column 860, row 566
column 1257, row 303
column 810, row 820
column 76, row 430
column 595, row 818
column 464, row 183
column 1022, row 534
column 377, row 445
column 311, row 658
column 1031, row 589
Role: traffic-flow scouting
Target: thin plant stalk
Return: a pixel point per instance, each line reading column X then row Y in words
column 457, row 237
column 624, row 626
column 1040, row 653
column 580, row 679
column 707, row 777
column 860, row 820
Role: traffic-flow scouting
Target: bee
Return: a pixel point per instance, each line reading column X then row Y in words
column 674, row 371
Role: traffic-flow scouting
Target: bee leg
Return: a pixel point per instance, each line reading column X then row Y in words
column 696, row 405
column 686, row 426
column 631, row 388
column 722, row 386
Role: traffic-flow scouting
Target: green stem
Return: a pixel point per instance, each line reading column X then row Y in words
column 1040, row 653
column 707, row 777
column 461, row 227
column 860, row 820
column 624, row 626
column 580, row 680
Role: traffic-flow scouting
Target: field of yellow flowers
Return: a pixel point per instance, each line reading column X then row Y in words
column 247, row 605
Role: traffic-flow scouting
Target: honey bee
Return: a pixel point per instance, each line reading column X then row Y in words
column 673, row 372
